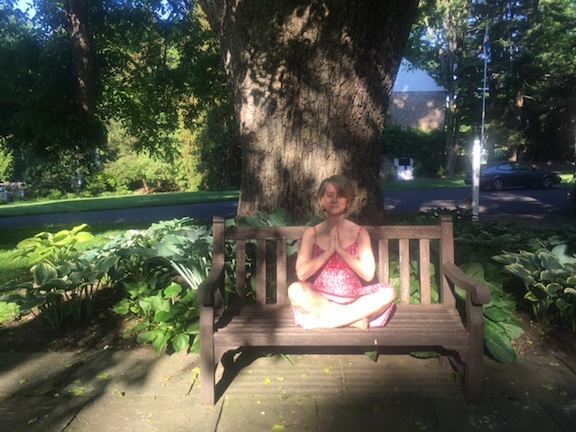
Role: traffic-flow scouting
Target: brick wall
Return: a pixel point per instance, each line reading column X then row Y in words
column 418, row 110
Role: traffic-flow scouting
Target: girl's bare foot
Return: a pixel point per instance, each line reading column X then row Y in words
column 363, row 324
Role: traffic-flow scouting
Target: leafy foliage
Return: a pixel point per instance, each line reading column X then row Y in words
column 530, row 76
column 426, row 148
column 535, row 258
column 160, row 268
column 64, row 289
column 167, row 313
column 500, row 324
column 52, row 248
column 550, row 281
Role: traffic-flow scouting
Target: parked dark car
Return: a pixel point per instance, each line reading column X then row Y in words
column 499, row 175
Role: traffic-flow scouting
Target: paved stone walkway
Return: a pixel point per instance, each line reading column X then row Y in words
column 141, row 391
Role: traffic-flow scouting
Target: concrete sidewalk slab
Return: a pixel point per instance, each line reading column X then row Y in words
column 140, row 413
column 141, row 372
column 498, row 416
column 46, row 413
column 141, row 391
column 36, row 374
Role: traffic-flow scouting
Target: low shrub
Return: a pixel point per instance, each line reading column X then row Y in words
column 550, row 281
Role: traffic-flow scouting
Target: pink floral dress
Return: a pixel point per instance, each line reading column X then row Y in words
column 340, row 284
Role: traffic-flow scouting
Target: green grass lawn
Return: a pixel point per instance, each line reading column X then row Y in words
column 27, row 208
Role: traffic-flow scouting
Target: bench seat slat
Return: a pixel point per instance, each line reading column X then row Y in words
column 274, row 326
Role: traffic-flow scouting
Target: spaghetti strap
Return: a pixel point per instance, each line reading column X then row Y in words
column 358, row 236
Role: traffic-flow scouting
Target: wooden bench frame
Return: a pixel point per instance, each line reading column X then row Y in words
column 457, row 332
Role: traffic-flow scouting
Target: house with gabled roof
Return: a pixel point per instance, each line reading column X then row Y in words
column 417, row 101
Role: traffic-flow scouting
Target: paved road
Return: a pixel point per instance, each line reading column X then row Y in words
column 507, row 202
column 492, row 203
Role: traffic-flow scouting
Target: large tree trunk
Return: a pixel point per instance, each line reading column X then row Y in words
column 311, row 83
column 82, row 53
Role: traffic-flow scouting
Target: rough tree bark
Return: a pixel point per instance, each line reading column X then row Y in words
column 311, row 82
column 82, row 53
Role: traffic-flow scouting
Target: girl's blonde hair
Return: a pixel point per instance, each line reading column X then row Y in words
column 343, row 186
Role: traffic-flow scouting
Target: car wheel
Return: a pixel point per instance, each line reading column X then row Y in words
column 547, row 182
column 497, row 184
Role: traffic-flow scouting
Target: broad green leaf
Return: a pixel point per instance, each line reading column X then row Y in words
column 195, row 347
column 160, row 304
column 145, row 304
column 172, row 291
column 83, row 237
column 564, row 254
column 60, row 237
column 520, row 271
column 252, row 221
column 498, row 343
column 531, row 296
column 372, row 355
column 554, row 289
column 280, row 217
column 160, row 341
column 496, row 314
column 162, row 316
column 193, row 329
column 122, row 307
column 146, row 337
column 475, row 270
column 180, row 342
column 548, row 260
column 43, row 272
column 106, row 263
column 562, row 305
column 424, row 354
column 58, row 284
column 513, row 329
column 167, row 249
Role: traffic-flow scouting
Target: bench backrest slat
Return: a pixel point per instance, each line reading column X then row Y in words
column 241, row 270
column 404, row 255
column 407, row 246
column 281, row 272
column 425, row 293
column 261, row 271
column 383, row 261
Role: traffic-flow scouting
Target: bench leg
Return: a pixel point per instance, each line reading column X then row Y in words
column 473, row 379
column 207, row 363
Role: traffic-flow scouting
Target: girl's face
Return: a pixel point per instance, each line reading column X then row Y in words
column 333, row 202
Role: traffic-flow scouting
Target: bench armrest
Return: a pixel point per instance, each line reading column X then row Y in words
column 479, row 292
column 208, row 288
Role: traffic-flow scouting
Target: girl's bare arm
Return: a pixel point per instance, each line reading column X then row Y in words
column 364, row 266
column 306, row 265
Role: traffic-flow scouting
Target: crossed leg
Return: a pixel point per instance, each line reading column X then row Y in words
column 323, row 313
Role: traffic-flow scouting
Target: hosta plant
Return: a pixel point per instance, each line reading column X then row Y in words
column 164, row 305
column 63, row 290
column 52, row 248
column 167, row 316
column 501, row 326
column 550, row 281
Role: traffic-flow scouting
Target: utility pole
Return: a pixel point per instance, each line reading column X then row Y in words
column 486, row 55
column 479, row 144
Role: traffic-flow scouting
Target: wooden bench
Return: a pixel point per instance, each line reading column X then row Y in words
column 426, row 319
